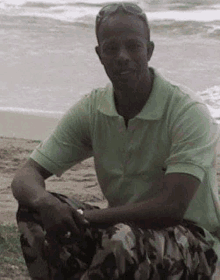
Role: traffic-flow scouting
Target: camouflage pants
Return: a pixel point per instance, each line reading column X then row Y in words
column 120, row 252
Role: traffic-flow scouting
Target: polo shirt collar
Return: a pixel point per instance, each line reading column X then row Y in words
column 106, row 103
column 153, row 109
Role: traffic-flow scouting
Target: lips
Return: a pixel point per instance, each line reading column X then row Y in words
column 125, row 72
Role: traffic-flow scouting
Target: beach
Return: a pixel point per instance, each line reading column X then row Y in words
column 79, row 182
column 48, row 58
column 48, row 62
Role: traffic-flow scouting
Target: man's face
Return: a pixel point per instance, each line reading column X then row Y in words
column 124, row 50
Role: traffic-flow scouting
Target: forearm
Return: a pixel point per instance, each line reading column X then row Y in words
column 153, row 213
column 167, row 209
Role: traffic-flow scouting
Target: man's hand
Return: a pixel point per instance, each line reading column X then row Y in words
column 59, row 219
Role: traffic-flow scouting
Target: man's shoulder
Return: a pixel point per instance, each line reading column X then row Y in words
column 99, row 92
column 96, row 96
column 89, row 103
column 176, row 90
column 178, row 98
column 179, row 101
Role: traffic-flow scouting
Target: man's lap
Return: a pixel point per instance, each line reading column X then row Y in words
column 120, row 252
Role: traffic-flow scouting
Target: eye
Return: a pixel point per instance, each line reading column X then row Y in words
column 110, row 48
column 133, row 46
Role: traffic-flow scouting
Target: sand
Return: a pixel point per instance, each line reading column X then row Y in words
column 26, row 126
column 79, row 182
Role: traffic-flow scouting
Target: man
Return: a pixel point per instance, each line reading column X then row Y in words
column 154, row 151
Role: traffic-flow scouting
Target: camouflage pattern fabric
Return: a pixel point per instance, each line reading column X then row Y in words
column 120, row 252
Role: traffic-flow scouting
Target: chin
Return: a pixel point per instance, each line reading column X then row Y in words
column 126, row 84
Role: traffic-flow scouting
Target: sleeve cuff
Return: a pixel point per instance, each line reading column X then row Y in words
column 45, row 162
column 191, row 169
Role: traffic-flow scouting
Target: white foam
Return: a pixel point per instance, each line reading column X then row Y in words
column 211, row 96
column 214, row 113
column 14, row 2
column 198, row 15
column 55, row 2
column 65, row 10
column 67, row 16
column 73, row 13
column 53, row 114
column 216, row 6
column 60, row 12
column 22, row 2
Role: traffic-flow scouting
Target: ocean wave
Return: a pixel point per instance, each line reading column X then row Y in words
column 210, row 29
column 45, row 7
column 85, row 16
column 211, row 96
column 54, row 3
column 39, row 5
column 182, row 5
column 198, row 15
column 28, row 111
column 85, row 19
column 36, row 2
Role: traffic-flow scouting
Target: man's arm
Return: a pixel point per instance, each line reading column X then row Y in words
column 28, row 188
column 167, row 209
column 28, row 185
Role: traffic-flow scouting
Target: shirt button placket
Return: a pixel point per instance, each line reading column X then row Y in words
column 128, row 154
column 122, row 132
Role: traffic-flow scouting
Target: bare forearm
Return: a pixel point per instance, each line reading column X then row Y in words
column 153, row 213
column 167, row 209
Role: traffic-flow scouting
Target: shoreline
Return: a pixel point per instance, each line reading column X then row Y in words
column 32, row 126
column 26, row 126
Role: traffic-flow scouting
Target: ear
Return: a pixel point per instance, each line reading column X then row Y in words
column 150, row 50
column 98, row 52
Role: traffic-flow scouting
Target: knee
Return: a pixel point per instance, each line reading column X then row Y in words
column 120, row 240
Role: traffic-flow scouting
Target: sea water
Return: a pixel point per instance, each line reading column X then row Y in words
column 48, row 59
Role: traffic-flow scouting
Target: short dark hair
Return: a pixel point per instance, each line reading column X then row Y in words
column 125, row 8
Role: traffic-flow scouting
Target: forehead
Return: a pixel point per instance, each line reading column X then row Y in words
column 119, row 25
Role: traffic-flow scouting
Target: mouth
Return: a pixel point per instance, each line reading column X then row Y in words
column 126, row 72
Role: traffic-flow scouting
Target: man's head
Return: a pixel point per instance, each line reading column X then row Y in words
column 123, row 8
column 124, row 46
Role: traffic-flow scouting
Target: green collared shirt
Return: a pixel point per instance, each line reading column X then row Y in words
column 174, row 133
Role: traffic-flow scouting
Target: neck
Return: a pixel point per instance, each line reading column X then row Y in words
column 129, row 102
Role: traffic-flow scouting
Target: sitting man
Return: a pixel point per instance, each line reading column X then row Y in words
column 154, row 148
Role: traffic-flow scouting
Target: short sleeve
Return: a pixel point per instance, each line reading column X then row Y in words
column 69, row 143
column 194, row 137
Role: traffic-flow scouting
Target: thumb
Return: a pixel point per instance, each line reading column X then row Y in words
column 79, row 216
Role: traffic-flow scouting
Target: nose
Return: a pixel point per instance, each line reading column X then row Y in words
column 123, row 56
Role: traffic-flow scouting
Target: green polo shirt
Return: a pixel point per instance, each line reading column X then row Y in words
column 174, row 133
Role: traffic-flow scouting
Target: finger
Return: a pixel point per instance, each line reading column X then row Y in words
column 79, row 218
column 73, row 227
column 57, row 230
column 76, row 250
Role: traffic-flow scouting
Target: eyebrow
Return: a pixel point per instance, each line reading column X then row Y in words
column 128, row 38
column 114, row 40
